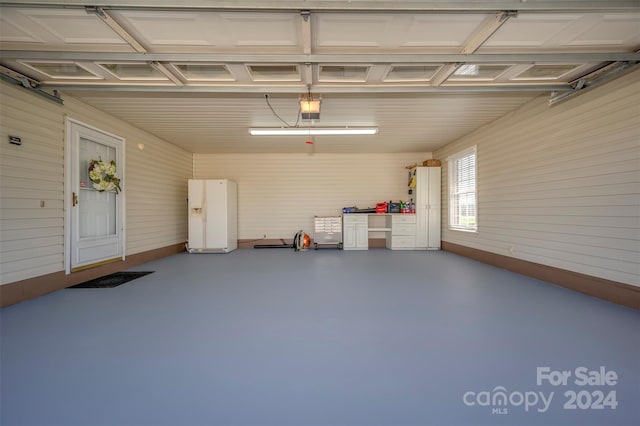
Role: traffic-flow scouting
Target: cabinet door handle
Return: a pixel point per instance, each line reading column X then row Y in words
column 74, row 199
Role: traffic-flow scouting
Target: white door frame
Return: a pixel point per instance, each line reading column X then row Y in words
column 68, row 189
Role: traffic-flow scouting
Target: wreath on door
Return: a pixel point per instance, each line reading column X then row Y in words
column 103, row 176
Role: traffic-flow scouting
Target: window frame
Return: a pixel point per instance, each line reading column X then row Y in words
column 452, row 165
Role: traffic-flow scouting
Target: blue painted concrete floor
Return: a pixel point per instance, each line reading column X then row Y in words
column 275, row 337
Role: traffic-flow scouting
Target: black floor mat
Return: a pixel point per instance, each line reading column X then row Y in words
column 113, row 280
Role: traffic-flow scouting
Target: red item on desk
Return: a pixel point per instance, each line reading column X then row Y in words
column 381, row 207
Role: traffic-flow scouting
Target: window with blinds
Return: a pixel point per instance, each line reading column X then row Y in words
column 463, row 212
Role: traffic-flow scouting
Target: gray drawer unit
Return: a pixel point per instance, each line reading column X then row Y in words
column 327, row 230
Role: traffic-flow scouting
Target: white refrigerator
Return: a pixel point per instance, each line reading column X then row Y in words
column 213, row 216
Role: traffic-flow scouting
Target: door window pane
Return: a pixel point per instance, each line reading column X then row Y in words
column 97, row 210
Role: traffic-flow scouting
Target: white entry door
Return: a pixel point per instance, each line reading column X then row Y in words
column 96, row 221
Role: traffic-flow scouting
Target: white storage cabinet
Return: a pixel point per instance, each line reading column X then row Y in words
column 356, row 232
column 427, row 199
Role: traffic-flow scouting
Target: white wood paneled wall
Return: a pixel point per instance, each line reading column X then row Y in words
column 32, row 237
column 279, row 194
column 560, row 185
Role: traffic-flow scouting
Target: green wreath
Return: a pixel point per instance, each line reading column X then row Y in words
column 103, row 176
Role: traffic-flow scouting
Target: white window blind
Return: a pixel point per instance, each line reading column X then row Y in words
column 462, row 190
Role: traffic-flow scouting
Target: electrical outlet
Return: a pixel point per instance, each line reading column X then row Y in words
column 511, row 249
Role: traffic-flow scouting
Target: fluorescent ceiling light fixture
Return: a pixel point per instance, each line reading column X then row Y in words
column 314, row 131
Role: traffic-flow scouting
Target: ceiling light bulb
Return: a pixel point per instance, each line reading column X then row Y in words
column 307, row 106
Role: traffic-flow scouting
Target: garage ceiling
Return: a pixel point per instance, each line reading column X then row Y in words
column 199, row 74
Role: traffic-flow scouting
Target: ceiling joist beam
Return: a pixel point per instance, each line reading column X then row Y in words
column 486, row 30
column 167, row 72
column 116, row 27
column 477, row 39
column 475, row 58
column 305, row 31
column 357, row 6
column 300, row 88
